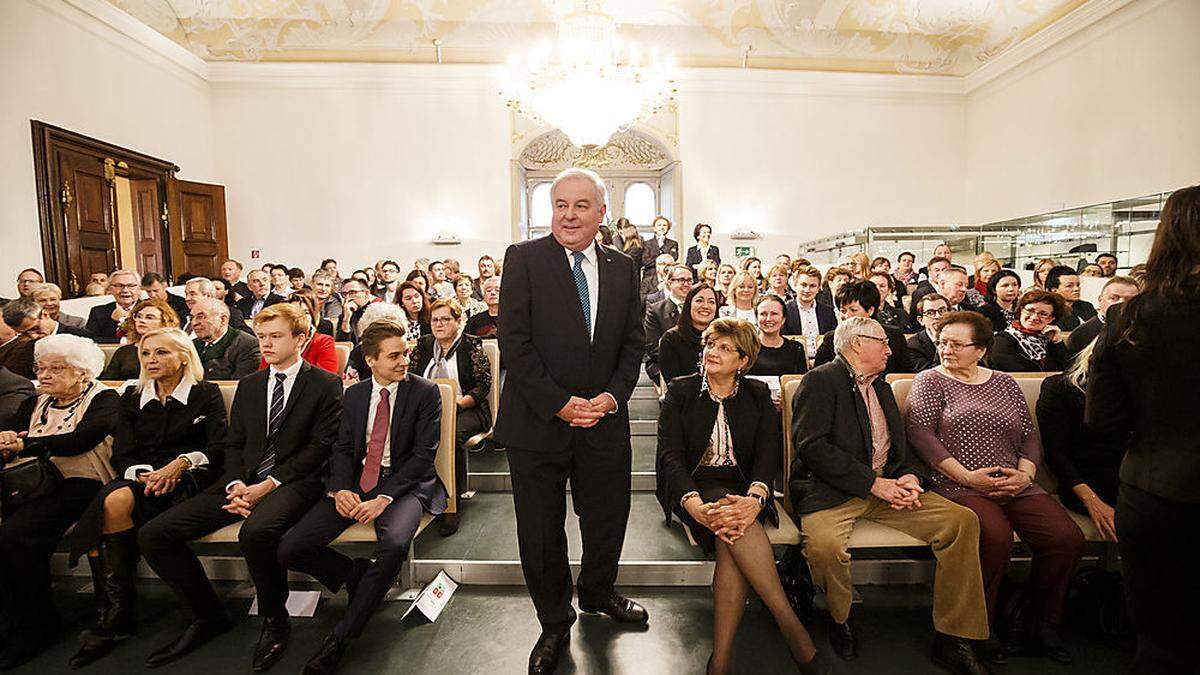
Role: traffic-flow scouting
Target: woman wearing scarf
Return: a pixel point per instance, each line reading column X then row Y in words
column 1032, row 344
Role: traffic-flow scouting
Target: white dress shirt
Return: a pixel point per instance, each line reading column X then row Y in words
column 180, row 393
column 809, row 325
column 386, row 460
column 288, row 382
column 591, row 273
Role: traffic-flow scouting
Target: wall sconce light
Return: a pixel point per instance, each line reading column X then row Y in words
column 446, row 240
column 745, row 235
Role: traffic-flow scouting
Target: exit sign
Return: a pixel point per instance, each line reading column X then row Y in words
column 743, row 251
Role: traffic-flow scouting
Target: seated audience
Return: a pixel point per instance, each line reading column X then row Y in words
column 155, row 286
column 1064, row 282
column 260, row 297
column 1116, row 290
column 388, row 283
column 1032, row 343
column 487, row 269
column 221, row 290
column 100, row 278
column 440, row 287
column 940, row 251
column 718, row 452
column 329, row 303
column 703, row 248
column 226, row 354
column 952, row 284
column 329, row 267
column 1085, row 463
column 861, row 298
column 679, row 348
column 27, row 280
column 905, row 275
column 803, row 315
column 199, row 287
column 972, row 426
column 415, row 303
column 922, row 350
column 1107, row 263
column 707, row 273
column 450, row 354
column 272, row 475
column 1040, row 271
column 165, row 426
column 95, row 290
column 464, row 289
column 482, row 324
column 777, row 355
column 382, row 473
column 281, row 287
column 105, row 320
column 357, row 368
column 307, row 298
column 654, row 288
column 149, row 314
column 853, row 462
column 835, row 277
column 664, row 314
column 355, row 299
column 68, row 425
column 930, row 274
column 986, row 267
column 20, row 329
column 296, row 278
column 890, row 314
column 743, row 294
column 898, row 289
column 1000, row 302
column 231, row 272
column 1092, row 270
column 319, row 350
column 49, row 296
column 725, row 275
column 777, row 282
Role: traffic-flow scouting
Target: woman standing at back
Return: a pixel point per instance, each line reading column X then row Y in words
column 1142, row 388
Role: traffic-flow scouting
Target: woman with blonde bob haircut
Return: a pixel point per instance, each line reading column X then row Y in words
column 164, row 428
column 718, row 453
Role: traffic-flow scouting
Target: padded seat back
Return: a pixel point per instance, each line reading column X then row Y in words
column 492, row 350
column 343, row 350
column 108, row 350
column 789, row 384
column 445, row 455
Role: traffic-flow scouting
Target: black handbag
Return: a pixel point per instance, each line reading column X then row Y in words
column 797, row 582
column 27, row 481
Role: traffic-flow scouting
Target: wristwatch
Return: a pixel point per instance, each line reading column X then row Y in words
column 761, row 499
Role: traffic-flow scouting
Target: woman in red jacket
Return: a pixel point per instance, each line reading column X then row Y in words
column 320, row 350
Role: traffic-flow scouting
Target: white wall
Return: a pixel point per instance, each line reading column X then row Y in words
column 1108, row 113
column 64, row 67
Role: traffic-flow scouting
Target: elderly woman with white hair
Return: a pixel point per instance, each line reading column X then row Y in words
column 357, row 369
column 163, row 454
column 56, row 460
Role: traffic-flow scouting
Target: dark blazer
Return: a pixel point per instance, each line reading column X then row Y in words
column 14, row 389
column 677, row 355
column 831, row 432
column 241, row 357
column 240, row 288
column 72, row 329
column 1147, row 393
column 1080, row 312
column 1083, row 335
column 416, row 435
column 652, row 250
column 180, row 306
column 693, row 256
column 474, row 370
column 654, row 297
column 898, row 362
column 922, row 352
column 894, row 316
column 157, row 434
column 1073, row 451
column 685, row 425
column 303, row 441
column 247, row 303
column 660, row 318
column 546, row 350
column 124, row 364
column 826, row 317
column 993, row 312
column 101, row 325
column 17, row 356
column 1006, row 356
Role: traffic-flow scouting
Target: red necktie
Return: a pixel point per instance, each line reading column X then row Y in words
column 379, row 432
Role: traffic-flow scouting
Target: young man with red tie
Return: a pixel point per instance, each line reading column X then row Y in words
column 382, row 473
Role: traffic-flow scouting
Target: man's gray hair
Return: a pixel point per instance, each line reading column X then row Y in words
column 207, row 288
column 213, row 306
column 38, row 289
column 590, row 176
column 136, row 277
column 377, row 311
column 849, row 327
column 78, row 352
column 322, row 274
column 16, row 311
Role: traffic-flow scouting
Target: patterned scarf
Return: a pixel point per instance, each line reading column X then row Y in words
column 1033, row 345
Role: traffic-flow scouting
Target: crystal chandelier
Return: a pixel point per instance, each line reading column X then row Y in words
column 588, row 84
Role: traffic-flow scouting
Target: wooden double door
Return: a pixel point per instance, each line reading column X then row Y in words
column 88, row 188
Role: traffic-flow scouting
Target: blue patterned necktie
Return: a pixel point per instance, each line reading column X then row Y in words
column 581, row 285
column 268, row 460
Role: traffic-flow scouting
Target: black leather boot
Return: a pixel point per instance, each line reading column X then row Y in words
column 96, row 564
column 119, row 556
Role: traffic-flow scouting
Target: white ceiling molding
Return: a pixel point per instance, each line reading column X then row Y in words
column 814, row 83
column 135, row 30
column 392, row 77
column 1084, row 16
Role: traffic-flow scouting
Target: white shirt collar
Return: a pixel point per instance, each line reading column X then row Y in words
column 589, row 254
column 289, row 371
column 218, row 339
column 179, row 394
column 391, row 388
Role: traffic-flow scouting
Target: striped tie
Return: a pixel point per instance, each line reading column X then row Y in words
column 582, row 286
column 268, row 460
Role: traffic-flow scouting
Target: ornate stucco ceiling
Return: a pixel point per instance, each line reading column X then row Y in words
column 942, row 37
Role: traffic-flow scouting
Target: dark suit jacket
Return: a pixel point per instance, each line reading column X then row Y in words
column 101, row 325
column 924, row 288
column 921, row 351
column 826, row 317
column 1080, row 312
column 303, row 441
column 157, row 434
column 1147, row 394
column 1083, row 335
column 898, row 362
column 693, row 256
column 17, row 356
column 14, row 389
column 831, row 432
column 652, row 250
column 65, row 329
column 546, row 349
column 685, row 425
column 240, row 288
column 247, row 303
column 474, row 371
column 240, row 358
column 660, row 318
column 1006, row 356
column 677, row 354
column 179, row 305
column 415, row 438
column 655, row 297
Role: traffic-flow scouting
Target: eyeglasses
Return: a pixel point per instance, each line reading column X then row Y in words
column 723, row 348
column 1033, row 312
column 931, row 313
column 441, row 319
column 873, row 337
column 954, row 346
column 122, row 286
column 52, row 369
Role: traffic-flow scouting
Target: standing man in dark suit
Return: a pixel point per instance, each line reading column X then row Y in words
column 260, row 296
column 572, row 339
column 664, row 314
column 382, row 472
column 104, row 320
column 282, row 426
column 660, row 244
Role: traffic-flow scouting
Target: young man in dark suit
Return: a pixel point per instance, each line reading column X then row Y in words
column 922, row 350
column 861, row 298
column 664, row 314
column 572, row 339
column 104, row 320
column 807, row 283
column 382, row 472
column 282, row 426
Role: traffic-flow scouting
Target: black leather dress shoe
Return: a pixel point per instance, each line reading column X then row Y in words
column 1047, row 642
column 272, row 642
column 620, row 609
column 196, row 634
column 327, row 657
column 992, row 650
column 544, row 657
column 844, row 639
column 957, row 655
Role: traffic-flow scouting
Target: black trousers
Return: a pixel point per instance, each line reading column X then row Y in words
column 28, row 537
column 1159, row 540
column 164, row 543
column 305, row 548
column 468, row 422
column 600, row 492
